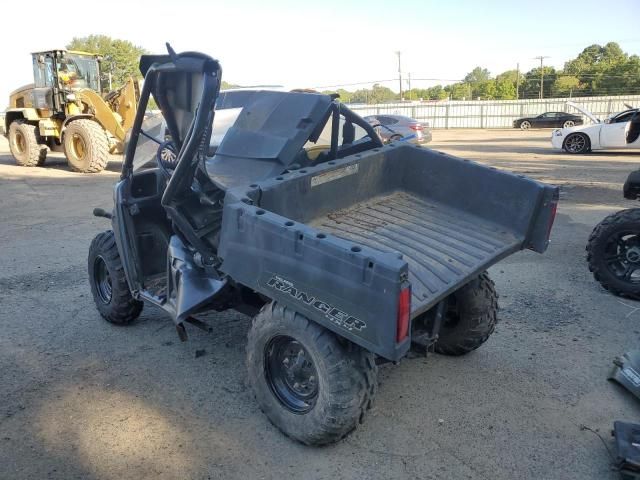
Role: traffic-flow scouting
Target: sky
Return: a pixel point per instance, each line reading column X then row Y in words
column 303, row 44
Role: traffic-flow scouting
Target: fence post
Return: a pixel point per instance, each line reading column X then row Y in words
column 482, row 116
column 446, row 117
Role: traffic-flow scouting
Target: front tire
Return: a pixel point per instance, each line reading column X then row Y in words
column 25, row 145
column 525, row 125
column 576, row 143
column 311, row 384
column 86, row 146
column 613, row 253
column 108, row 282
column 470, row 318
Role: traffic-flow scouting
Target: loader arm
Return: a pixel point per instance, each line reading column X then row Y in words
column 116, row 121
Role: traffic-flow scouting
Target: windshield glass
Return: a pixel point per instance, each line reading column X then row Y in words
column 79, row 71
column 153, row 133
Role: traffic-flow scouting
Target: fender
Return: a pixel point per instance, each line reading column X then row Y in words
column 12, row 114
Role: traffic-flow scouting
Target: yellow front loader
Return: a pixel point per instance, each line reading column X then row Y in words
column 64, row 110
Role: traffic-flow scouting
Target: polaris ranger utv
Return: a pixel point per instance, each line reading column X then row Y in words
column 346, row 252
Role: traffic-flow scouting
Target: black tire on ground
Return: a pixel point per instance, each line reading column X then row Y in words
column 26, row 144
column 334, row 381
column 613, row 253
column 525, row 125
column 568, row 124
column 577, row 143
column 86, row 146
column 108, row 283
column 470, row 318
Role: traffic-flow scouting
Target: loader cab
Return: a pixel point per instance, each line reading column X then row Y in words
column 57, row 73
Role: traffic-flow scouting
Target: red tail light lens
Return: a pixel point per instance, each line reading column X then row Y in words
column 404, row 312
column 417, row 127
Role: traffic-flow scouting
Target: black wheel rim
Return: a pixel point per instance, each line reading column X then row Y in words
column 291, row 374
column 102, row 280
column 622, row 256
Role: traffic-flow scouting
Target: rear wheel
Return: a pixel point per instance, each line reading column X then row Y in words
column 577, row 143
column 568, row 124
column 613, row 253
column 311, row 384
column 525, row 125
column 25, row 146
column 470, row 318
column 108, row 282
column 86, row 146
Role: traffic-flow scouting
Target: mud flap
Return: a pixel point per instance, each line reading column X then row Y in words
column 189, row 286
column 627, row 371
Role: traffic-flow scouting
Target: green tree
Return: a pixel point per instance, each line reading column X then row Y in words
column 120, row 57
column 477, row 75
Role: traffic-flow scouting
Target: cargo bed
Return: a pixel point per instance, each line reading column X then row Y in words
column 355, row 232
column 441, row 245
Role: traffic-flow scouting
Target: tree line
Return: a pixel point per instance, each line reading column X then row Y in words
column 597, row 70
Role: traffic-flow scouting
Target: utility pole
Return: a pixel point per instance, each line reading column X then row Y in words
column 409, row 83
column 399, row 73
column 518, row 81
column 541, row 58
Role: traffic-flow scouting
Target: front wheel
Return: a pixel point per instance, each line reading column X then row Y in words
column 311, row 384
column 108, row 282
column 470, row 317
column 86, row 146
column 577, row 143
column 613, row 253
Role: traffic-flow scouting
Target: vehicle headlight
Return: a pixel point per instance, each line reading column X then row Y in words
column 557, row 133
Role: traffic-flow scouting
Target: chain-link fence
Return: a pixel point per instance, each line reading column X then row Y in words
column 495, row 113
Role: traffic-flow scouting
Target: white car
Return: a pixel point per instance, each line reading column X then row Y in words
column 619, row 131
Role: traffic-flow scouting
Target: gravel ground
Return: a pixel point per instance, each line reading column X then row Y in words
column 80, row 398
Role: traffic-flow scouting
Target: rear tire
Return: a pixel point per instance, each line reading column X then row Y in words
column 471, row 317
column 568, row 124
column 576, row 143
column 108, row 282
column 25, row 145
column 613, row 253
column 525, row 125
column 311, row 384
column 86, row 146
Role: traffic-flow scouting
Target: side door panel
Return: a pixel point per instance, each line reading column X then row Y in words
column 614, row 135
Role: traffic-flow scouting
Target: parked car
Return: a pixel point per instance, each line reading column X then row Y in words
column 392, row 128
column 549, row 120
column 619, row 131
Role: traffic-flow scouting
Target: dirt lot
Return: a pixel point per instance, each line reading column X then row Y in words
column 80, row 398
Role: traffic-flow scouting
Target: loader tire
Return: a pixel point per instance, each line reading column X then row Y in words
column 311, row 384
column 613, row 253
column 86, row 146
column 470, row 318
column 25, row 144
column 109, row 285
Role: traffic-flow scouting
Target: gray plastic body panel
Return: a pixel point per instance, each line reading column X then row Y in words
column 353, row 232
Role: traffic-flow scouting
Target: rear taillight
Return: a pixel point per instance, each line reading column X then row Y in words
column 404, row 312
column 417, row 127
